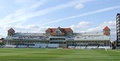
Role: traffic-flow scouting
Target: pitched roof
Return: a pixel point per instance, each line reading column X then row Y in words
column 11, row 29
column 106, row 28
column 63, row 30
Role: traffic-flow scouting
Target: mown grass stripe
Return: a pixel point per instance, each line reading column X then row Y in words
column 29, row 54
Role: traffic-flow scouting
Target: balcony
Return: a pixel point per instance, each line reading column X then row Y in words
column 118, row 28
column 118, row 16
column 57, row 40
column 118, row 19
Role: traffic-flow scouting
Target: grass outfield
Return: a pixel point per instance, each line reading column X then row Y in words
column 26, row 54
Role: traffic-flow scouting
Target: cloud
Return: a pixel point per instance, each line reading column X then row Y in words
column 81, row 26
column 86, row 27
column 79, row 6
column 28, row 28
column 29, row 11
column 84, row 14
column 23, row 29
column 58, row 7
column 21, row 14
column 25, row 13
column 110, row 24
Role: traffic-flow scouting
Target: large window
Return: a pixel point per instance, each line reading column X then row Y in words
column 58, row 31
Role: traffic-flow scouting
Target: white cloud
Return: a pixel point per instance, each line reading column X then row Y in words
column 86, row 27
column 81, row 26
column 21, row 14
column 25, row 13
column 23, row 29
column 29, row 11
column 79, row 6
column 28, row 28
column 110, row 24
column 84, row 14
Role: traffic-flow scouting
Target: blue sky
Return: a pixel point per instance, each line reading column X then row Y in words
column 37, row 15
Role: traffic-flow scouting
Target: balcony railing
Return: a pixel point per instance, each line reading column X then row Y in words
column 57, row 40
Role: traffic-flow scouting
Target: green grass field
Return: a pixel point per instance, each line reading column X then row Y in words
column 26, row 54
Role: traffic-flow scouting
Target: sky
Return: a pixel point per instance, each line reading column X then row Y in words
column 38, row 15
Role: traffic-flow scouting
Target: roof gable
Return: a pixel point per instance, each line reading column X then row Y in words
column 63, row 30
column 11, row 29
column 106, row 28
